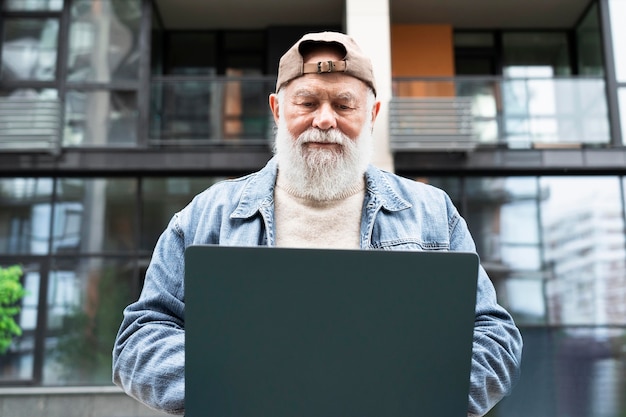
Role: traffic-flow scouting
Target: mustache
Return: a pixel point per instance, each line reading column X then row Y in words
column 322, row 136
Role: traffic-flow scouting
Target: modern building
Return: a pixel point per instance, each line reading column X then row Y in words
column 114, row 113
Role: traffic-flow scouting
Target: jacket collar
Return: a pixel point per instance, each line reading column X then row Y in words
column 258, row 192
column 381, row 190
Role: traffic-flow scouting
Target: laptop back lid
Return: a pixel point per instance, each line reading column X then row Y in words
column 273, row 332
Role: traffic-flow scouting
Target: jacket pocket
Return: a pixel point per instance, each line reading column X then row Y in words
column 409, row 244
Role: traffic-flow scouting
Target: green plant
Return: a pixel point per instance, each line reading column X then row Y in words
column 11, row 292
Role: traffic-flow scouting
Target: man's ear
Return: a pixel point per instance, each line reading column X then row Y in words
column 274, row 106
column 375, row 111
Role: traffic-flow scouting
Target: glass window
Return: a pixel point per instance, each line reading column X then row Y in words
column 95, row 215
column 502, row 215
column 182, row 57
column 17, row 363
column 589, row 44
column 451, row 185
column 86, row 298
column 539, row 54
column 621, row 96
column 161, row 198
column 25, row 209
column 574, row 372
column 473, row 39
column 29, row 49
column 100, row 118
column 33, row 5
column 103, row 45
column 617, row 10
column 582, row 224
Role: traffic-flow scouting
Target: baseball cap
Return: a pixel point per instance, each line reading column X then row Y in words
column 354, row 62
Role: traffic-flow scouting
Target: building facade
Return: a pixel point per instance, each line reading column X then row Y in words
column 114, row 113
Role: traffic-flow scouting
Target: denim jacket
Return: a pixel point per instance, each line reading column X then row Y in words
column 398, row 214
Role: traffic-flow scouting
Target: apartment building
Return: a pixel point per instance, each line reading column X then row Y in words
column 114, row 113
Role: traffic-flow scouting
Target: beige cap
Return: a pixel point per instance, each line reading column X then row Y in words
column 354, row 62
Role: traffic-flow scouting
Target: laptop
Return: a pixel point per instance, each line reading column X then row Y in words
column 279, row 332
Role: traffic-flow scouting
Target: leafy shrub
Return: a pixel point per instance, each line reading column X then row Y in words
column 11, row 292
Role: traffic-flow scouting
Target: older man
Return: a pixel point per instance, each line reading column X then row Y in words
column 318, row 191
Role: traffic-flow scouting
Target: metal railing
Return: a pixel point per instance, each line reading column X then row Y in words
column 431, row 123
column 509, row 112
column 30, row 124
column 187, row 111
column 456, row 113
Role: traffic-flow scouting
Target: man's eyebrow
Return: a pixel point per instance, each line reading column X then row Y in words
column 346, row 95
column 304, row 93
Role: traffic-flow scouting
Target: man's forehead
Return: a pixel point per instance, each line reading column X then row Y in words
column 328, row 85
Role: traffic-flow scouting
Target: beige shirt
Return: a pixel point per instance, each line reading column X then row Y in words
column 305, row 223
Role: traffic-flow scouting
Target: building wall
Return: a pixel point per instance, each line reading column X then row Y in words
column 67, row 402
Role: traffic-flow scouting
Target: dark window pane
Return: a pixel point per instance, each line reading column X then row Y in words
column 535, row 54
column 191, row 53
column 573, row 372
column 589, row 44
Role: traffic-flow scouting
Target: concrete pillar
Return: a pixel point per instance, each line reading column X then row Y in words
column 367, row 21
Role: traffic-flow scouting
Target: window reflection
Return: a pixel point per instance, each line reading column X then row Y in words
column 33, row 5
column 502, row 216
column 618, row 34
column 25, row 208
column 85, row 302
column 95, row 215
column 103, row 43
column 100, row 118
column 161, row 198
column 583, row 228
column 29, row 49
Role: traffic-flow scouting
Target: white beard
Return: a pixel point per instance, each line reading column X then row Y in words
column 323, row 174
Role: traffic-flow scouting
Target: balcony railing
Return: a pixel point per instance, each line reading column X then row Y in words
column 30, row 124
column 190, row 111
column 458, row 113
column 514, row 113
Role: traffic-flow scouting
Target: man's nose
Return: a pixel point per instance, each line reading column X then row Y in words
column 325, row 117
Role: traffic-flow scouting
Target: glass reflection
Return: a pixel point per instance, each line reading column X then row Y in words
column 583, row 228
column 503, row 217
column 25, row 210
column 161, row 198
column 95, row 215
column 100, row 118
column 33, row 5
column 618, row 33
column 621, row 94
column 103, row 44
column 29, row 49
column 569, row 375
column 85, row 302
